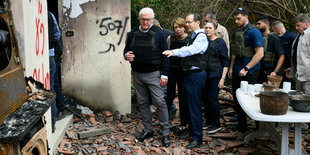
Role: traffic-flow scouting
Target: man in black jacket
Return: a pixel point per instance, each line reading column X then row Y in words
column 144, row 47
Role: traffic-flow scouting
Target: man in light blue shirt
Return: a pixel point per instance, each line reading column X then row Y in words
column 193, row 65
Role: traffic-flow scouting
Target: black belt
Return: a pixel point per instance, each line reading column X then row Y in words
column 191, row 71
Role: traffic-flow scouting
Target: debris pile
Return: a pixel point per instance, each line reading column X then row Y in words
column 112, row 133
column 19, row 122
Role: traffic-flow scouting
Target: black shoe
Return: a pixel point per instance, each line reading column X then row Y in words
column 166, row 141
column 194, row 144
column 214, row 129
column 186, row 135
column 179, row 130
column 206, row 126
column 143, row 136
column 171, row 113
column 60, row 115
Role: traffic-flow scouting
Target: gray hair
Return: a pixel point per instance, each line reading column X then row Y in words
column 302, row 17
column 155, row 22
column 211, row 14
column 147, row 10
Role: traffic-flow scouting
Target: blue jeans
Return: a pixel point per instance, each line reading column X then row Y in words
column 193, row 84
column 57, row 88
column 52, row 74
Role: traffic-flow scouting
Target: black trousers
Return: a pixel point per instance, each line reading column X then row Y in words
column 242, row 116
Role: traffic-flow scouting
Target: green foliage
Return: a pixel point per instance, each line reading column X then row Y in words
column 166, row 10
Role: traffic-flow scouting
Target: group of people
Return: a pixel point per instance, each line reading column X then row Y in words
column 197, row 61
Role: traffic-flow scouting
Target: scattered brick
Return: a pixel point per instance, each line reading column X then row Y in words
column 245, row 151
column 107, row 113
column 124, row 128
column 232, row 144
column 225, row 135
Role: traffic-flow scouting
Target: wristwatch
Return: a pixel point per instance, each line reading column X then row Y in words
column 246, row 68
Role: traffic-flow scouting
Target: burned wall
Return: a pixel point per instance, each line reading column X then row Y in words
column 94, row 70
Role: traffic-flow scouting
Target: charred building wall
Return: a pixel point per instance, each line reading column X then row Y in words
column 94, row 70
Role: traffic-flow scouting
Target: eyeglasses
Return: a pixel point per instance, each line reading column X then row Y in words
column 145, row 19
column 188, row 22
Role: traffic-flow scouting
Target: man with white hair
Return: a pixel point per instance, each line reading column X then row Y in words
column 300, row 61
column 144, row 47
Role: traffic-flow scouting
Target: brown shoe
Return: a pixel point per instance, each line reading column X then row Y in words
column 53, row 129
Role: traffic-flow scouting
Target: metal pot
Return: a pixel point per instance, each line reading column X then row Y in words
column 275, row 80
column 300, row 103
column 273, row 102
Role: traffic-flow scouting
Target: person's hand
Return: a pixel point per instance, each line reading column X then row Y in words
column 130, row 56
column 163, row 82
column 221, row 83
column 309, row 78
column 169, row 53
column 243, row 72
column 287, row 72
column 273, row 74
column 230, row 73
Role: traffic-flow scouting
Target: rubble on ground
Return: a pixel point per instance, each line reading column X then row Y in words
column 115, row 134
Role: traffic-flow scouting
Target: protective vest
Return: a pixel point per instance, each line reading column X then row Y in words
column 175, row 62
column 51, row 39
column 144, row 48
column 198, row 60
column 238, row 44
column 212, row 57
column 269, row 56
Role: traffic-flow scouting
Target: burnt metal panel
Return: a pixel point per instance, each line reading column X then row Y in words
column 12, row 83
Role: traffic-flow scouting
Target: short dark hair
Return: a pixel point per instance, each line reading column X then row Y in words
column 196, row 17
column 210, row 13
column 242, row 11
column 264, row 19
column 302, row 17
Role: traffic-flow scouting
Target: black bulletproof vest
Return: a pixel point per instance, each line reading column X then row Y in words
column 144, row 48
column 175, row 62
column 212, row 57
column 51, row 25
column 198, row 60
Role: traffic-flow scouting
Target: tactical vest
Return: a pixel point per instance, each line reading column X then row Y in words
column 238, row 44
column 198, row 60
column 269, row 56
column 144, row 47
column 175, row 62
column 51, row 39
column 212, row 57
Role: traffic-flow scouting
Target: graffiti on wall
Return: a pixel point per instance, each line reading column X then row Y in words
column 38, row 71
column 106, row 25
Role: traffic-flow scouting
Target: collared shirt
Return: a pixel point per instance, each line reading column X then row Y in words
column 254, row 38
column 221, row 32
column 56, row 35
column 287, row 40
column 300, row 70
column 147, row 30
column 200, row 45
